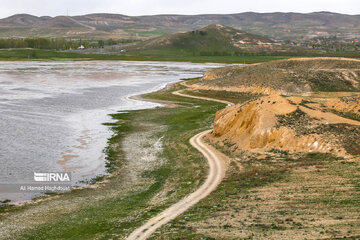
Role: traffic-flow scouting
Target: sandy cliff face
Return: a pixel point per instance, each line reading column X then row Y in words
column 254, row 126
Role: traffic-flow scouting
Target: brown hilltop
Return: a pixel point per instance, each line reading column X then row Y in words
column 291, row 76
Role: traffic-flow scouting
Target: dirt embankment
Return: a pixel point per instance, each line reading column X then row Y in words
column 276, row 122
column 281, row 120
column 255, row 127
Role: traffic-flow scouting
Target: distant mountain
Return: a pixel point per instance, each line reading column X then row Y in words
column 275, row 25
column 214, row 39
column 21, row 19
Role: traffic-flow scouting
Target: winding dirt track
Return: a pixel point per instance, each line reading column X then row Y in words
column 202, row 98
column 217, row 168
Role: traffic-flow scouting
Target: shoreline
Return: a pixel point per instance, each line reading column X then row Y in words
column 167, row 86
column 121, row 195
column 124, row 100
column 260, row 190
column 92, row 183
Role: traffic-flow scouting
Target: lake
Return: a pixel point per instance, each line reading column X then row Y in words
column 51, row 113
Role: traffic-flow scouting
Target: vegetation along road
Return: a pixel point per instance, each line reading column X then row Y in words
column 217, row 167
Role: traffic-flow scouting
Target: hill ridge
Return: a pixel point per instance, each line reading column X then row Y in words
column 276, row 25
column 215, row 39
column 297, row 75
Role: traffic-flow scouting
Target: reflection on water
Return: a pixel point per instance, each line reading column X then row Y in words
column 51, row 113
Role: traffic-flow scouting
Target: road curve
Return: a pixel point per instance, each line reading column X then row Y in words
column 217, row 168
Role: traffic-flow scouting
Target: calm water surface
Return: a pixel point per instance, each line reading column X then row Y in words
column 51, row 113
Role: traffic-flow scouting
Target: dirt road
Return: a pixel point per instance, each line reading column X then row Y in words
column 202, row 98
column 217, row 167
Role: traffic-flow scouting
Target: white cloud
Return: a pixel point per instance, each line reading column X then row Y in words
column 147, row 7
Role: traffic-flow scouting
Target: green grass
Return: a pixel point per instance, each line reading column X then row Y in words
column 118, row 215
column 236, row 207
column 40, row 54
column 184, row 170
column 37, row 54
column 173, row 54
column 170, row 55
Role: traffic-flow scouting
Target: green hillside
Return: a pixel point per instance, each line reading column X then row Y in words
column 213, row 40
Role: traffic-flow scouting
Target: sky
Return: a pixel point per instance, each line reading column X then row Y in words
column 151, row 7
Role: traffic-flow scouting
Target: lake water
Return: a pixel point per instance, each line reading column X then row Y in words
column 51, row 113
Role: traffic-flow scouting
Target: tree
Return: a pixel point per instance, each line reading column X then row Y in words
column 101, row 43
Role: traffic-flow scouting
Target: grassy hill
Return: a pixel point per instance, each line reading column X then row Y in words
column 292, row 75
column 276, row 25
column 213, row 40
